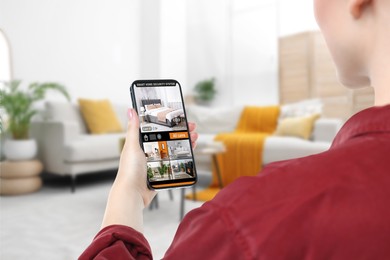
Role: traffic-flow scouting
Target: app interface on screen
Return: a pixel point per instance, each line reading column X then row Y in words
column 164, row 132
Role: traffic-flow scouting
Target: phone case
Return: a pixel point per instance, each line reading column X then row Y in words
column 164, row 133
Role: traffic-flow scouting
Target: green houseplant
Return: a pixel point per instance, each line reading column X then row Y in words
column 161, row 170
column 149, row 172
column 205, row 90
column 18, row 105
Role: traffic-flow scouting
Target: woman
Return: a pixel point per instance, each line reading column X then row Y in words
column 333, row 205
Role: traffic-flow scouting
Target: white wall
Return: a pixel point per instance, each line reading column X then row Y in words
column 149, row 39
column 98, row 47
column 173, row 41
column 89, row 46
column 296, row 16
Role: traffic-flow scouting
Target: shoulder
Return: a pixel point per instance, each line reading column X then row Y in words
column 323, row 198
column 347, row 169
column 344, row 166
column 317, row 201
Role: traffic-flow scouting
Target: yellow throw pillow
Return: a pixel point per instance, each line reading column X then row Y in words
column 99, row 116
column 297, row 126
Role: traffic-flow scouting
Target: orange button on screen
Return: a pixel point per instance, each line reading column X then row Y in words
column 178, row 135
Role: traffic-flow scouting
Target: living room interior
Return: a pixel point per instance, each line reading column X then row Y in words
column 253, row 72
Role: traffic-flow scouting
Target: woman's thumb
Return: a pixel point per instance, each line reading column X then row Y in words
column 132, row 135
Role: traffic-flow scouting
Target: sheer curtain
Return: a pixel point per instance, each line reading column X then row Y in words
column 235, row 42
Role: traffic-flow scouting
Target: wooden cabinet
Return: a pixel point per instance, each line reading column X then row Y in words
column 306, row 71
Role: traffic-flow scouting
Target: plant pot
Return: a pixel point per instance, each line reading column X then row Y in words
column 20, row 150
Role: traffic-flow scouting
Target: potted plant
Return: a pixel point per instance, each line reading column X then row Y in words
column 205, row 91
column 149, row 172
column 161, row 170
column 18, row 106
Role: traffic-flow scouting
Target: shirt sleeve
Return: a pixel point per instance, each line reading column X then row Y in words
column 118, row 242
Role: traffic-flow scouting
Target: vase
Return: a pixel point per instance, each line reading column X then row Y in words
column 20, row 150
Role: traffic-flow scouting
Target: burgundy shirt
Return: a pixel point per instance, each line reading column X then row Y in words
column 332, row 205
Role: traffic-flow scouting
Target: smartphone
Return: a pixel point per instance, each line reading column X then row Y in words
column 164, row 133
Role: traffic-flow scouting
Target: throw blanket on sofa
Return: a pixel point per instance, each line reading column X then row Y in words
column 244, row 148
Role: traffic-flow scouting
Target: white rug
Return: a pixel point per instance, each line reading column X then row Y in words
column 56, row 224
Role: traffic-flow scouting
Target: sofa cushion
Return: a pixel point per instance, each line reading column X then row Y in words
column 276, row 148
column 325, row 129
column 279, row 148
column 94, row 148
column 64, row 111
column 214, row 120
column 99, row 116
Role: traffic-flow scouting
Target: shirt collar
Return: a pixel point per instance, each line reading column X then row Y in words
column 368, row 121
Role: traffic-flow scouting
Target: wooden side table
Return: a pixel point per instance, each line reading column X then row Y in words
column 20, row 177
column 212, row 149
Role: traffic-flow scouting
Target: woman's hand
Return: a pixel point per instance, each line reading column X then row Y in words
column 132, row 165
column 130, row 194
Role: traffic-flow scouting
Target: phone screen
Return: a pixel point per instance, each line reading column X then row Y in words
column 164, row 134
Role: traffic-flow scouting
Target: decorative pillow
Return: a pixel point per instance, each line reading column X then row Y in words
column 149, row 107
column 302, row 108
column 99, row 116
column 297, row 126
column 157, row 105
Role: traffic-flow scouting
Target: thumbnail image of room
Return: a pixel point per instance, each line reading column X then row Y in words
column 183, row 169
column 169, row 160
column 179, row 149
column 170, row 170
column 156, row 151
column 160, row 109
column 159, row 171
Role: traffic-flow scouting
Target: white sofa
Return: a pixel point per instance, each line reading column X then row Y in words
column 66, row 148
column 211, row 121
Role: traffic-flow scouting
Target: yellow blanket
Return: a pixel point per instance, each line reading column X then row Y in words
column 244, row 148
